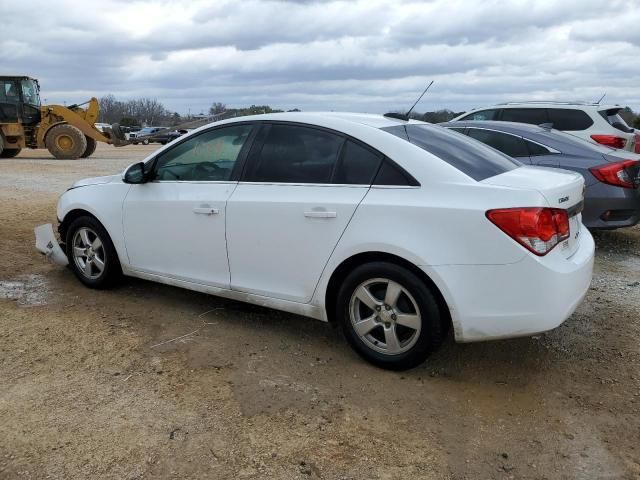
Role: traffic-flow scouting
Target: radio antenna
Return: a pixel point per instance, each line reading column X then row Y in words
column 419, row 98
column 603, row 95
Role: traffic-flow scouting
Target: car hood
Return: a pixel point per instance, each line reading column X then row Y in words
column 97, row 180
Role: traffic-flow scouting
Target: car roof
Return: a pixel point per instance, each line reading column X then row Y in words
column 549, row 104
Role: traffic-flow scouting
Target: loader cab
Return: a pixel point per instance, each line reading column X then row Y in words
column 19, row 100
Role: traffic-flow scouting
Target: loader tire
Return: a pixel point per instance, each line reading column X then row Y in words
column 91, row 147
column 65, row 142
column 10, row 152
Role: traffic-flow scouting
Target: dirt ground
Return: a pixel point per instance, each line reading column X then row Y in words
column 90, row 391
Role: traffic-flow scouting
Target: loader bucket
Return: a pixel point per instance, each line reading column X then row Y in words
column 116, row 135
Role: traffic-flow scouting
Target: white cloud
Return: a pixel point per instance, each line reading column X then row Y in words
column 362, row 55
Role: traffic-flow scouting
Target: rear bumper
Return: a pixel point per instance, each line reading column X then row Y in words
column 608, row 207
column 520, row 299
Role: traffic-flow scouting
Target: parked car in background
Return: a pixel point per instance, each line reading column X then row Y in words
column 166, row 135
column 612, row 177
column 143, row 135
column 590, row 121
column 390, row 228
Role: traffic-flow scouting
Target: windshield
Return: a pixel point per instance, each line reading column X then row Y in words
column 470, row 156
column 30, row 92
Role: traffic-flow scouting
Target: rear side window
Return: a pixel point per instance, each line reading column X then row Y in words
column 568, row 119
column 357, row 165
column 294, row 154
column 457, row 129
column 535, row 116
column 470, row 157
column 507, row 144
column 482, row 115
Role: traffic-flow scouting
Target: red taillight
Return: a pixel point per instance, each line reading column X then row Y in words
column 637, row 147
column 610, row 140
column 535, row 228
column 620, row 174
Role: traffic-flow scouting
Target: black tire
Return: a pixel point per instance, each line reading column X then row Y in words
column 145, row 141
column 91, row 147
column 10, row 152
column 416, row 297
column 1, row 144
column 65, row 142
column 135, row 143
column 111, row 271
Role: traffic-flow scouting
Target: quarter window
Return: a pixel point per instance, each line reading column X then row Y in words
column 294, row 154
column 357, row 165
column 507, row 144
column 569, row 119
column 535, row 149
column 209, row 156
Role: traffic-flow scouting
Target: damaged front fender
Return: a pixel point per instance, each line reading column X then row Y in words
column 47, row 244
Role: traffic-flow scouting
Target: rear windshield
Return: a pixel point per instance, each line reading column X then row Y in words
column 471, row 157
column 615, row 120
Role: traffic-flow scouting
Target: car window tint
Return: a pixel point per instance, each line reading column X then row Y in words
column 294, row 154
column 467, row 155
column 569, row 119
column 457, row 129
column 392, row 175
column 507, row 144
column 535, row 116
column 209, row 156
column 482, row 115
column 535, row 149
column 357, row 164
column 612, row 116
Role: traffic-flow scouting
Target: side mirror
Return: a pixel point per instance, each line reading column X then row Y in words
column 134, row 174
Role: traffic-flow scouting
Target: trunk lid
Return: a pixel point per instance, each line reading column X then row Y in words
column 560, row 188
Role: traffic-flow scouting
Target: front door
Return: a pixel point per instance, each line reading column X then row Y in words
column 174, row 225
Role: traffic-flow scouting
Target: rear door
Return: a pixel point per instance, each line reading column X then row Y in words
column 300, row 188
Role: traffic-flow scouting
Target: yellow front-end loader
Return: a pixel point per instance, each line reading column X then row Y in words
column 67, row 132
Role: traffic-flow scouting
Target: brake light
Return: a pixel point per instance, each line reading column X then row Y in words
column 537, row 229
column 610, row 140
column 637, row 147
column 619, row 174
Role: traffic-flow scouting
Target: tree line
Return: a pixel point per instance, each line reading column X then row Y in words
column 150, row 111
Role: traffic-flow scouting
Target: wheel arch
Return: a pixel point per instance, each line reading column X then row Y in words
column 347, row 265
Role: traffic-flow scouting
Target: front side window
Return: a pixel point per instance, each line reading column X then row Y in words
column 209, row 156
column 507, row 144
column 482, row 115
column 470, row 157
column 295, row 154
column 9, row 92
column 534, row 116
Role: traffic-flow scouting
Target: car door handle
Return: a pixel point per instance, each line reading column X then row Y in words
column 320, row 214
column 205, row 211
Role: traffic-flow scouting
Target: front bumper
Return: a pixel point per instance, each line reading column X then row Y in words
column 519, row 299
column 47, row 244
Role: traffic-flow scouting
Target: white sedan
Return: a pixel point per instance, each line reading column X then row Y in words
column 397, row 230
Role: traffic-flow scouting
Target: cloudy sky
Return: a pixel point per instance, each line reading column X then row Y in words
column 370, row 56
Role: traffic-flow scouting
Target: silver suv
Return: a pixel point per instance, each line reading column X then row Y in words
column 591, row 121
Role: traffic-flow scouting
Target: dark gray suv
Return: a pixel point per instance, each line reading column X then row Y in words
column 612, row 177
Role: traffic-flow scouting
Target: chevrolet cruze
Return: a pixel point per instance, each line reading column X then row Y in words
column 396, row 230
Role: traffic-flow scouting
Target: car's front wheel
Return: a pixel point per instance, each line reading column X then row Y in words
column 389, row 315
column 91, row 254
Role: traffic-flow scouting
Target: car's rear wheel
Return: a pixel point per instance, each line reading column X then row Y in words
column 91, row 254
column 389, row 315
